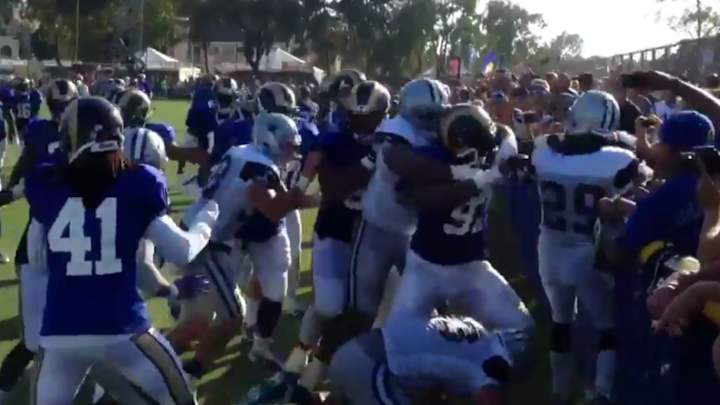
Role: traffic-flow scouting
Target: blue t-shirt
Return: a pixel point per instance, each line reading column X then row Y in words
column 338, row 220
column 455, row 235
column 671, row 214
column 91, row 253
column 42, row 141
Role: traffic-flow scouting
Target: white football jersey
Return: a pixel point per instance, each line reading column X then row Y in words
column 227, row 185
column 571, row 185
column 380, row 203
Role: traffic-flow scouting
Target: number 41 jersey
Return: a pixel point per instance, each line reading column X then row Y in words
column 572, row 184
column 91, row 252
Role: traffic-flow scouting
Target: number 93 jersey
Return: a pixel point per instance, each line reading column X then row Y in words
column 571, row 185
column 92, row 252
column 452, row 236
column 227, row 185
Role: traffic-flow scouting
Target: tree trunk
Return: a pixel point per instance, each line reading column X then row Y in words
column 698, row 9
column 205, row 56
column 57, row 52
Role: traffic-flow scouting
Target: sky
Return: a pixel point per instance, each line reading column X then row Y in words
column 607, row 27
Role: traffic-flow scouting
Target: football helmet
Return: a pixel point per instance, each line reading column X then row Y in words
column 467, row 131
column 225, row 93
column 277, row 136
column 112, row 88
column 59, row 94
column 368, row 106
column 340, row 88
column 275, row 97
column 90, row 124
column 422, row 102
column 142, row 145
column 593, row 112
column 134, row 107
column 22, row 85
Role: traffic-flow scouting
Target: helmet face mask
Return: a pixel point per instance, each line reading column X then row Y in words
column 470, row 134
column 369, row 102
column 59, row 94
column 225, row 93
column 135, row 107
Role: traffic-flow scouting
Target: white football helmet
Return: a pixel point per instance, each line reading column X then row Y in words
column 142, row 145
column 422, row 102
column 277, row 136
column 593, row 112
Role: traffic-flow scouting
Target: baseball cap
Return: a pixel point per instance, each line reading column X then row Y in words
column 685, row 130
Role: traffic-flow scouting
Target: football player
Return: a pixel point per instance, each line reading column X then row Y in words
column 42, row 146
column 420, row 360
column 201, row 122
column 247, row 186
column 447, row 260
column 383, row 237
column 89, row 217
column 279, row 98
column 26, row 103
column 573, row 174
column 337, row 220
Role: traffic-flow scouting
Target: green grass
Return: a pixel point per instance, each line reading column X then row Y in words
column 234, row 374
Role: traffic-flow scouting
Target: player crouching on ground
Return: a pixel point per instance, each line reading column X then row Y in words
column 89, row 217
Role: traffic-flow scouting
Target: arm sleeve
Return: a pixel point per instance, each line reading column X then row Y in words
column 37, row 256
column 178, row 246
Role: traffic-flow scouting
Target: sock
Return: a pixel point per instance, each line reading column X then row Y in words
column 251, row 315
column 605, row 373
column 562, row 365
column 309, row 328
column 14, row 365
column 293, row 278
column 194, row 368
column 268, row 316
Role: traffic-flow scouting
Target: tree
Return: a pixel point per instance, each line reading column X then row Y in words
column 697, row 19
column 509, row 30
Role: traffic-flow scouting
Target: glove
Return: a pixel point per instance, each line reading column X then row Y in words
column 191, row 286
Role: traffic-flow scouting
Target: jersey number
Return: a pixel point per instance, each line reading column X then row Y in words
column 67, row 234
column 585, row 201
column 24, row 111
column 466, row 218
column 217, row 173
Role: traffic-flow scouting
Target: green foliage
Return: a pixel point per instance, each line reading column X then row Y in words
column 698, row 18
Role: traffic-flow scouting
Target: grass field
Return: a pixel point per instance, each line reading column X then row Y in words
column 233, row 374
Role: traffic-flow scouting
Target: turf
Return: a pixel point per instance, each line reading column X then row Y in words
column 234, row 374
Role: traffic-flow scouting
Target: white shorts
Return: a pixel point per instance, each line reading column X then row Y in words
column 146, row 360
column 331, row 267
column 33, row 289
column 568, row 274
column 220, row 263
column 375, row 252
column 294, row 231
column 271, row 261
column 476, row 287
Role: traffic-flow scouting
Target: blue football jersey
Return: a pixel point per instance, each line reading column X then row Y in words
column 451, row 236
column 91, row 253
column 25, row 107
column 227, row 134
column 338, row 220
column 42, row 141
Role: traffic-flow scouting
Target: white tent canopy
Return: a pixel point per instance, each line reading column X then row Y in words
column 156, row 60
column 277, row 60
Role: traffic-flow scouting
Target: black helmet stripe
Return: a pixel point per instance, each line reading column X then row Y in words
column 432, row 90
column 364, row 92
column 62, row 87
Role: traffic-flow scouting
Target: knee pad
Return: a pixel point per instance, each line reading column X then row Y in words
column 561, row 338
column 339, row 330
column 608, row 340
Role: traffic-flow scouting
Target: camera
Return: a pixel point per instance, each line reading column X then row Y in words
column 709, row 155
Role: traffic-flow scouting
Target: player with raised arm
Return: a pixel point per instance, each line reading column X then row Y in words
column 88, row 218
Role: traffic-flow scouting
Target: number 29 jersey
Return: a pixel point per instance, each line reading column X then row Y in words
column 571, row 185
column 91, row 252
